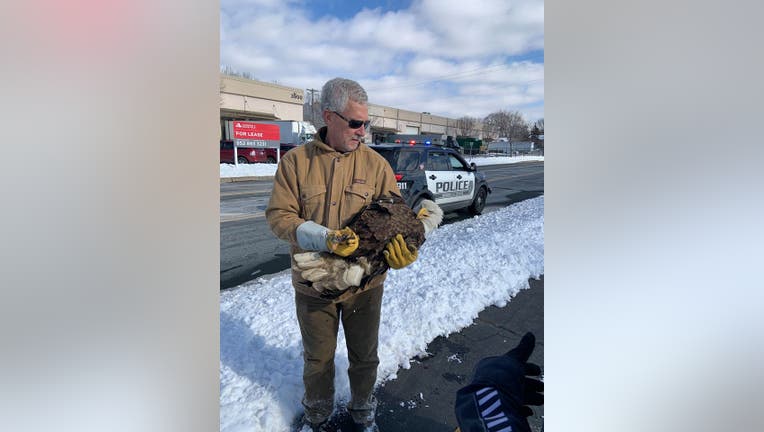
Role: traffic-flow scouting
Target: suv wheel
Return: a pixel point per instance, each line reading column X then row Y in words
column 242, row 160
column 270, row 160
column 478, row 204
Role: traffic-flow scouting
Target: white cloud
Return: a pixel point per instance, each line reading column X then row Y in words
column 437, row 56
column 487, row 27
column 398, row 31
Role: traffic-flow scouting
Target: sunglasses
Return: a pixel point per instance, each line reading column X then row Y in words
column 354, row 124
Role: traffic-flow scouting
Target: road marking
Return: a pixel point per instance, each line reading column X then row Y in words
column 511, row 176
column 232, row 217
column 253, row 192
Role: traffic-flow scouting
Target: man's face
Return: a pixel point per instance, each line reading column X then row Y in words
column 339, row 135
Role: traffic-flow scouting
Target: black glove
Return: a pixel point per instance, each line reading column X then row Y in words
column 508, row 374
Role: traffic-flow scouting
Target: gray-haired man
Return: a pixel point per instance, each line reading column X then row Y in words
column 317, row 190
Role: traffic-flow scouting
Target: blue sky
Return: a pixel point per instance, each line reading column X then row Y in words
column 347, row 9
column 447, row 57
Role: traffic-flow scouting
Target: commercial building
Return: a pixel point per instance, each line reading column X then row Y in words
column 250, row 100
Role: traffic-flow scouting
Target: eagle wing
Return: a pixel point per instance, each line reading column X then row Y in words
column 378, row 223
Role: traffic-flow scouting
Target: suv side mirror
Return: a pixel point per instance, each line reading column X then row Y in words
column 473, row 167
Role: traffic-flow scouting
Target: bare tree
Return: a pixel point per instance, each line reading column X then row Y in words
column 311, row 108
column 537, row 133
column 467, row 126
column 229, row 70
column 506, row 124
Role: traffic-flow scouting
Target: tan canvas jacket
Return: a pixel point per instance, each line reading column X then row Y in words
column 315, row 182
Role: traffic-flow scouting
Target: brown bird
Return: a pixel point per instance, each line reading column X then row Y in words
column 375, row 226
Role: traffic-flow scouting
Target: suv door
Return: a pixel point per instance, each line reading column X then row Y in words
column 448, row 179
column 465, row 179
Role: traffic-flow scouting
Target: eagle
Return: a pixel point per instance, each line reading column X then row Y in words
column 376, row 224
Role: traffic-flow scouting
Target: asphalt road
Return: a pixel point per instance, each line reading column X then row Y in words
column 249, row 250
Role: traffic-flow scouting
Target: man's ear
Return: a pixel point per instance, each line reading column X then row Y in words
column 325, row 115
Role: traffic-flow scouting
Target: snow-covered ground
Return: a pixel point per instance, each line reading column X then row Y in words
column 462, row 268
column 267, row 170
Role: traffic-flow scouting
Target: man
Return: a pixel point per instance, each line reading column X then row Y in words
column 317, row 189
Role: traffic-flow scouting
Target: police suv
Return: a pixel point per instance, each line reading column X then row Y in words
column 437, row 173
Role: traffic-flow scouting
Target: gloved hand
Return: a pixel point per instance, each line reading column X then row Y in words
column 328, row 273
column 342, row 242
column 509, row 374
column 504, row 388
column 398, row 255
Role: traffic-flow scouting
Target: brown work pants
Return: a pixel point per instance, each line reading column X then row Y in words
column 319, row 321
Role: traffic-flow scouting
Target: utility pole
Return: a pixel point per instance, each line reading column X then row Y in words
column 312, row 105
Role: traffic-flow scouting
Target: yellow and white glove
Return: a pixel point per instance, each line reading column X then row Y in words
column 342, row 242
column 398, row 254
column 314, row 237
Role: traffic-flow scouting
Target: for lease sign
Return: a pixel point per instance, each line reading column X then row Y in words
column 251, row 131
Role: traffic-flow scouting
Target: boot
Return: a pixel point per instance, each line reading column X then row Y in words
column 325, row 426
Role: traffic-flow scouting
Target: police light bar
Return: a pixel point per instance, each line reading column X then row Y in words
column 427, row 143
column 412, row 142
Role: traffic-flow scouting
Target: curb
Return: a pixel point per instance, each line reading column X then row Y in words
column 245, row 194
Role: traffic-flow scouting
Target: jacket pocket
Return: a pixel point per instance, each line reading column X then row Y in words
column 356, row 197
column 312, row 198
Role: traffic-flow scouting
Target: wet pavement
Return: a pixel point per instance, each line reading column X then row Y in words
column 421, row 399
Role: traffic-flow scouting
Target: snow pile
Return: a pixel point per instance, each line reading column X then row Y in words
column 499, row 160
column 462, row 268
column 247, row 170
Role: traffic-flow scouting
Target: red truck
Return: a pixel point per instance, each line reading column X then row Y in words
column 251, row 155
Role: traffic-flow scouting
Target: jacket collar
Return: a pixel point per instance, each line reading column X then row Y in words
column 320, row 141
column 322, row 146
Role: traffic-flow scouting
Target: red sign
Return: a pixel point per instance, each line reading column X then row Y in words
column 255, row 131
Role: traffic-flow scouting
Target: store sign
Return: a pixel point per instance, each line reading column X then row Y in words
column 253, row 134
column 251, row 131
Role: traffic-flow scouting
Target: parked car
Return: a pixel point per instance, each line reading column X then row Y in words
column 244, row 155
column 251, row 155
column 437, row 173
column 271, row 153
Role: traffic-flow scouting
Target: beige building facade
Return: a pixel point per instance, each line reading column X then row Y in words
column 387, row 120
column 250, row 100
